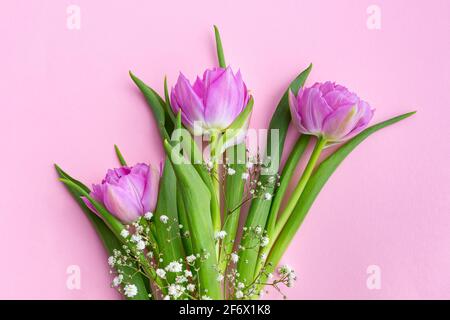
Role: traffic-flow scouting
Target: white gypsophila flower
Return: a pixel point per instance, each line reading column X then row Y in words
column 205, row 297
column 240, row 285
column 221, row 235
column 267, row 196
column 187, row 273
column 161, row 273
column 263, row 256
column 111, row 261
column 167, row 297
column 140, row 245
column 249, row 165
column 130, row 290
column 174, row 266
column 258, row 230
column 124, row 233
column 285, row 269
column 148, row 215
column 164, row 219
column 175, row 290
column 264, row 241
column 117, row 280
column 270, row 275
column 234, row 257
column 245, row 176
column 190, row 287
column 219, row 277
column 231, row 171
column 181, row 279
column 136, row 238
column 239, row 294
column 209, row 164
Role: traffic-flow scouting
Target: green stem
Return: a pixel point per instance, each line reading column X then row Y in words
column 320, row 144
column 216, row 182
column 285, row 179
column 278, row 242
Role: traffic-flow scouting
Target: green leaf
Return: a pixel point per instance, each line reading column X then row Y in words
column 157, row 106
column 168, row 235
column 282, row 116
column 108, row 239
column 197, row 199
column 167, row 99
column 315, row 185
column 220, row 55
column 259, row 208
column 190, row 148
column 114, row 225
column 119, row 156
column 182, row 217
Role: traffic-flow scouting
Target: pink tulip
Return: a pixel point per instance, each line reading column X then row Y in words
column 127, row 192
column 211, row 103
column 329, row 111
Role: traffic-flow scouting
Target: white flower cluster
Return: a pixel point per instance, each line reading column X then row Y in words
column 288, row 275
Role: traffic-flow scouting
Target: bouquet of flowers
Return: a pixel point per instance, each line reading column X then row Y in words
column 175, row 233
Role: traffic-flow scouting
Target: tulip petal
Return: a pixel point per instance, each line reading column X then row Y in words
column 150, row 196
column 185, row 98
column 340, row 97
column 366, row 114
column 295, row 115
column 121, row 202
column 341, row 122
column 224, row 100
column 313, row 110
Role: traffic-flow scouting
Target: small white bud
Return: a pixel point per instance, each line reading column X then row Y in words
column 164, row 219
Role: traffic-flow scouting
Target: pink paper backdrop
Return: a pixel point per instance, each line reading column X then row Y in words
column 67, row 98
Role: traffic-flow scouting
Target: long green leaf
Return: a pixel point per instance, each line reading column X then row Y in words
column 313, row 187
column 157, row 105
column 282, row 116
column 120, row 156
column 168, row 234
column 220, row 55
column 108, row 239
column 197, row 199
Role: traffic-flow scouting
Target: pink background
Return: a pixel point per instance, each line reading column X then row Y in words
column 67, row 98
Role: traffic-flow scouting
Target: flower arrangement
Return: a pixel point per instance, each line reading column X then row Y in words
column 174, row 233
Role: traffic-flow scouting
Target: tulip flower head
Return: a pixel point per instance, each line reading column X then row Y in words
column 212, row 103
column 127, row 192
column 329, row 111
